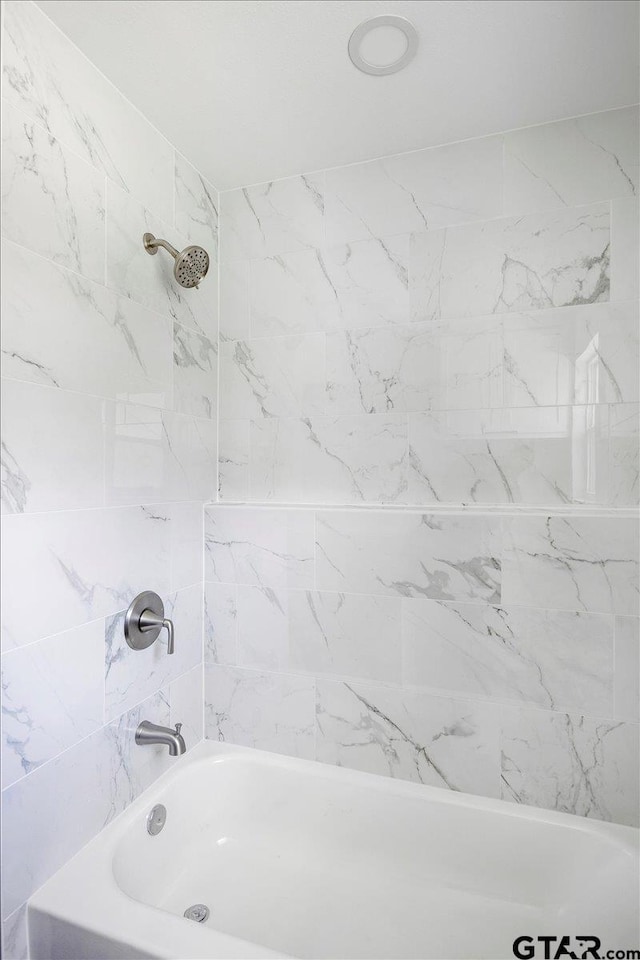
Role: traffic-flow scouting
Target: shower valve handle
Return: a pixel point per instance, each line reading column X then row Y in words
column 151, row 621
column 145, row 619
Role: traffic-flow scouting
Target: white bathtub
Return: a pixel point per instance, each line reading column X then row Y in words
column 299, row 859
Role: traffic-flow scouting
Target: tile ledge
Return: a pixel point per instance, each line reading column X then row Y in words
column 572, row 510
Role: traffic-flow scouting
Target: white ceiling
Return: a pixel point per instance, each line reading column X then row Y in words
column 253, row 90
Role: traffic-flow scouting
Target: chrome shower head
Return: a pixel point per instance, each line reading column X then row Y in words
column 191, row 264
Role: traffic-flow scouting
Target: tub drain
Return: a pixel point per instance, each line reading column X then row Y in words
column 197, row 912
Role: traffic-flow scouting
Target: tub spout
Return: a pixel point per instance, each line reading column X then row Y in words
column 150, row 733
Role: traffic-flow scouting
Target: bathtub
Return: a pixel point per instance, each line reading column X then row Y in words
column 299, row 859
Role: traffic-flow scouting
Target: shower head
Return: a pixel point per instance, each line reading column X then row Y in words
column 191, row 264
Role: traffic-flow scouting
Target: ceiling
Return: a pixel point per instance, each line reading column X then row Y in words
column 254, row 90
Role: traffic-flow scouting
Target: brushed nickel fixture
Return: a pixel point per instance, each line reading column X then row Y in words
column 149, row 734
column 191, row 264
column 198, row 912
column 383, row 45
column 144, row 620
column 156, row 819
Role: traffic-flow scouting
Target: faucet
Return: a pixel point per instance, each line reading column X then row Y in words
column 150, row 733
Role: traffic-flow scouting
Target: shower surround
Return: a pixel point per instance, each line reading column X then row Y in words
column 109, row 449
column 424, row 559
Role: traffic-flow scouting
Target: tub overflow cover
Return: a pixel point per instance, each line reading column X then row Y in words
column 197, row 912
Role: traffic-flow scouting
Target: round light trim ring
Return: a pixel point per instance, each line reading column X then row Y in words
column 356, row 38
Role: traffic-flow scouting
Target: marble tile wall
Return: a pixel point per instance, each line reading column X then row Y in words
column 109, row 407
column 454, row 325
column 491, row 653
column 431, row 358
column 427, row 564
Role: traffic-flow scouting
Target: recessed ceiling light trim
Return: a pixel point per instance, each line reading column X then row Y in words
column 360, row 32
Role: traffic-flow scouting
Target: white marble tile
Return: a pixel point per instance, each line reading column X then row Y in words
column 271, row 218
column 537, row 455
column 426, row 263
column 47, row 77
column 131, row 770
column 414, row 192
column 234, row 300
column 51, row 317
column 343, row 635
column 220, row 623
column 329, row 634
column 233, row 459
column 329, row 460
column 287, row 293
column 571, row 563
column 107, row 767
column 15, row 944
column 187, row 543
column 266, row 711
column 590, row 454
column 52, row 201
column 197, row 204
column 192, row 445
column 83, row 564
column 148, row 279
column 154, row 455
column 553, row 259
column 586, row 354
column 272, row 377
column 625, row 249
column 52, row 450
column 195, row 373
column 263, row 628
column 464, row 369
column 55, row 793
column 433, row 740
column 186, row 699
column 569, row 763
column 371, row 281
column 258, row 546
column 552, row 659
column 133, row 675
column 626, row 690
column 624, row 442
column 409, row 554
column 52, row 697
column 414, row 367
column 361, row 284
column 571, row 162
column 138, row 461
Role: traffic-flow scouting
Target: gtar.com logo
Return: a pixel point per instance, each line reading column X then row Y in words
column 574, row 948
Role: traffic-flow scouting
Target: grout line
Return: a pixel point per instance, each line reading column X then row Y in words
column 454, row 509
column 403, row 600
column 498, row 704
column 106, row 233
column 147, row 122
column 174, row 186
column 53, row 759
column 435, row 326
column 219, row 351
column 447, row 143
column 114, row 291
column 458, row 224
column 315, row 550
column 435, row 146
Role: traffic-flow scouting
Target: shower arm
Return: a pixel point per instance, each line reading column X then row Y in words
column 190, row 265
column 152, row 243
